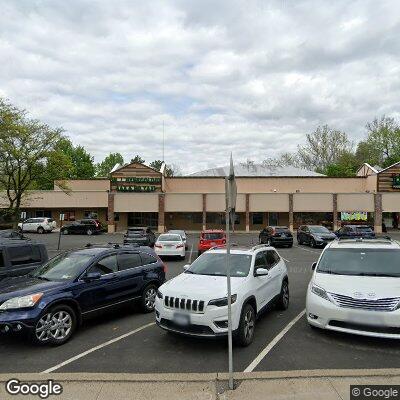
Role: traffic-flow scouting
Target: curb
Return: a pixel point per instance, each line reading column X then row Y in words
column 202, row 377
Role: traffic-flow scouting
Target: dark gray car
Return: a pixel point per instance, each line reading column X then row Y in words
column 142, row 236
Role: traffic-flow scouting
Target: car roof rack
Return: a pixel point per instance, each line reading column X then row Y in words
column 381, row 239
column 259, row 246
column 221, row 246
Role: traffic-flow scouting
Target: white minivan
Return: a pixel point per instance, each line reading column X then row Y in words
column 355, row 288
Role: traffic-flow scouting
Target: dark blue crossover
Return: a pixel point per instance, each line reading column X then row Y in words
column 52, row 301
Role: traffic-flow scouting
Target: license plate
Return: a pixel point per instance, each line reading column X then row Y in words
column 283, row 235
column 182, row 319
column 213, row 244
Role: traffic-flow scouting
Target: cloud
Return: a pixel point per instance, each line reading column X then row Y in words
column 252, row 77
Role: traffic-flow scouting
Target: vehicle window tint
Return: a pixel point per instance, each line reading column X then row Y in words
column 272, row 258
column 1, row 260
column 129, row 260
column 147, row 259
column 213, row 236
column 260, row 261
column 107, row 265
column 24, row 255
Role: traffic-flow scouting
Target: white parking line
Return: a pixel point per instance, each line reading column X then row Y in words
column 310, row 251
column 93, row 349
column 272, row 344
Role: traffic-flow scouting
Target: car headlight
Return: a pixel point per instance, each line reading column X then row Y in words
column 320, row 292
column 160, row 295
column 21, row 302
column 222, row 302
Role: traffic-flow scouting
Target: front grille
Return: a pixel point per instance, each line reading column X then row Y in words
column 196, row 306
column 393, row 330
column 387, row 304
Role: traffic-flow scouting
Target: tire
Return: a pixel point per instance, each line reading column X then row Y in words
column 245, row 332
column 65, row 232
column 283, row 300
column 147, row 302
column 89, row 232
column 290, row 245
column 40, row 230
column 312, row 243
column 46, row 330
column 182, row 257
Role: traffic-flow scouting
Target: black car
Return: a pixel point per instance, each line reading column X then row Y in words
column 276, row 236
column 10, row 234
column 142, row 236
column 83, row 227
column 355, row 231
column 314, row 235
column 19, row 257
column 52, row 301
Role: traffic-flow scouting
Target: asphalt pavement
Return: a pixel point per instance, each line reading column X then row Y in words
column 128, row 341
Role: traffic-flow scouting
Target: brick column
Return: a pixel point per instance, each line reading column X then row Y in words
column 334, row 210
column 291, row 226
column 204, row 212
column 247, row 212
column 161, row 213
column 378, row 213
column 110, row 213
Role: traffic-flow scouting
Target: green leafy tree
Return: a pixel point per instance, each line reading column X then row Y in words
column 138, row 159
column 104, row 168
column 169, row 169
column 24, row 144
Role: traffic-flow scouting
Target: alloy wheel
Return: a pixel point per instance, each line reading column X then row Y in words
column 249, row 324
column 55, row 326
column 150, row 298
column 285, row 295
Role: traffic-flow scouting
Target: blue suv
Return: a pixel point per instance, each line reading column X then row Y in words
column 52, row 301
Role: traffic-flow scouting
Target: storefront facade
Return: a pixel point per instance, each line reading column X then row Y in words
column 138, row 195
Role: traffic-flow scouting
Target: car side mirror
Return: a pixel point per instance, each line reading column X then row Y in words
column 313, row 266
column 92, row 276
column 186, row 267
column 261, row 272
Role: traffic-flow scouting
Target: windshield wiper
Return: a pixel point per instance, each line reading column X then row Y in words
column 42, row 278
column 376, row 274
column 189, row 272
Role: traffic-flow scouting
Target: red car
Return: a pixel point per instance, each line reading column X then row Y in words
column 211, row 238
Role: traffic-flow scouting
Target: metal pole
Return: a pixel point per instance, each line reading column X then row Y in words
column 59, row 236
column 228, row 279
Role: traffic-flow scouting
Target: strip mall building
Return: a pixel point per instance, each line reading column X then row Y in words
column 136, row 195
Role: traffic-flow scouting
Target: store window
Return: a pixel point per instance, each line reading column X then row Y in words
column 43, row 214
column 116, row 217
column 68, row 215
column 90, row 214
column 257, row 218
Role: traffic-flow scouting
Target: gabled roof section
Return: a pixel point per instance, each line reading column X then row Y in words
column 390, row 166
column 367, row 167
column 134, row 165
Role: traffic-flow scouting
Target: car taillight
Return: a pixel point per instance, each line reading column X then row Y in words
column 223, row 241
column 178, row 246
column 201, row 241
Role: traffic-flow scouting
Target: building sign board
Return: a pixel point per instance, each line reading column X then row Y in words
column 354, row 216
column 396, row 182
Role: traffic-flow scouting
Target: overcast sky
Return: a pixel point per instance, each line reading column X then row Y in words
column 252, row 77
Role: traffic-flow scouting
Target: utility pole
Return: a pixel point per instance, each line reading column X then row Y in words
column 163, row 141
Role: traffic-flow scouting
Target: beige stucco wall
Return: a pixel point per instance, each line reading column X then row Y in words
column 58, row 199
column 268, row 184
column 371, row 183
column 356, row 202
column 136, row 202
column 315, row 202
column 391, row 202
column 85, row 184
column 215, row 202
column 188, row 202
column 269, row 202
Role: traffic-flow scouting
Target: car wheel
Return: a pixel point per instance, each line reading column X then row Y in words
column 89, row 232
column 283, row 300
column 312, row 243
column 40, row 230
column 64, row 231
column 182, row 257
column 56, row 326
column 245, row 333
column 149, row 298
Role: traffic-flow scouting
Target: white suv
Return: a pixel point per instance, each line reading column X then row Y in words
column 195, row 302
column 355, row 288
column 39, row 225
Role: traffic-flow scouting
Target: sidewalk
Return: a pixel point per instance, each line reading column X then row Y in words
column 302, row 385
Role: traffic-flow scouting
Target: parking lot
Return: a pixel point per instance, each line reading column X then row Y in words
column 128, row 341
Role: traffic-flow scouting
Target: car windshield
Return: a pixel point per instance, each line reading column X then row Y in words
column 214, row 264
column 281, row 229
column 135, row 232
column 319, row 229
column 169, row 238
column 361, row 262
column 364, row 228
column 65, row 266
column 213, row 236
